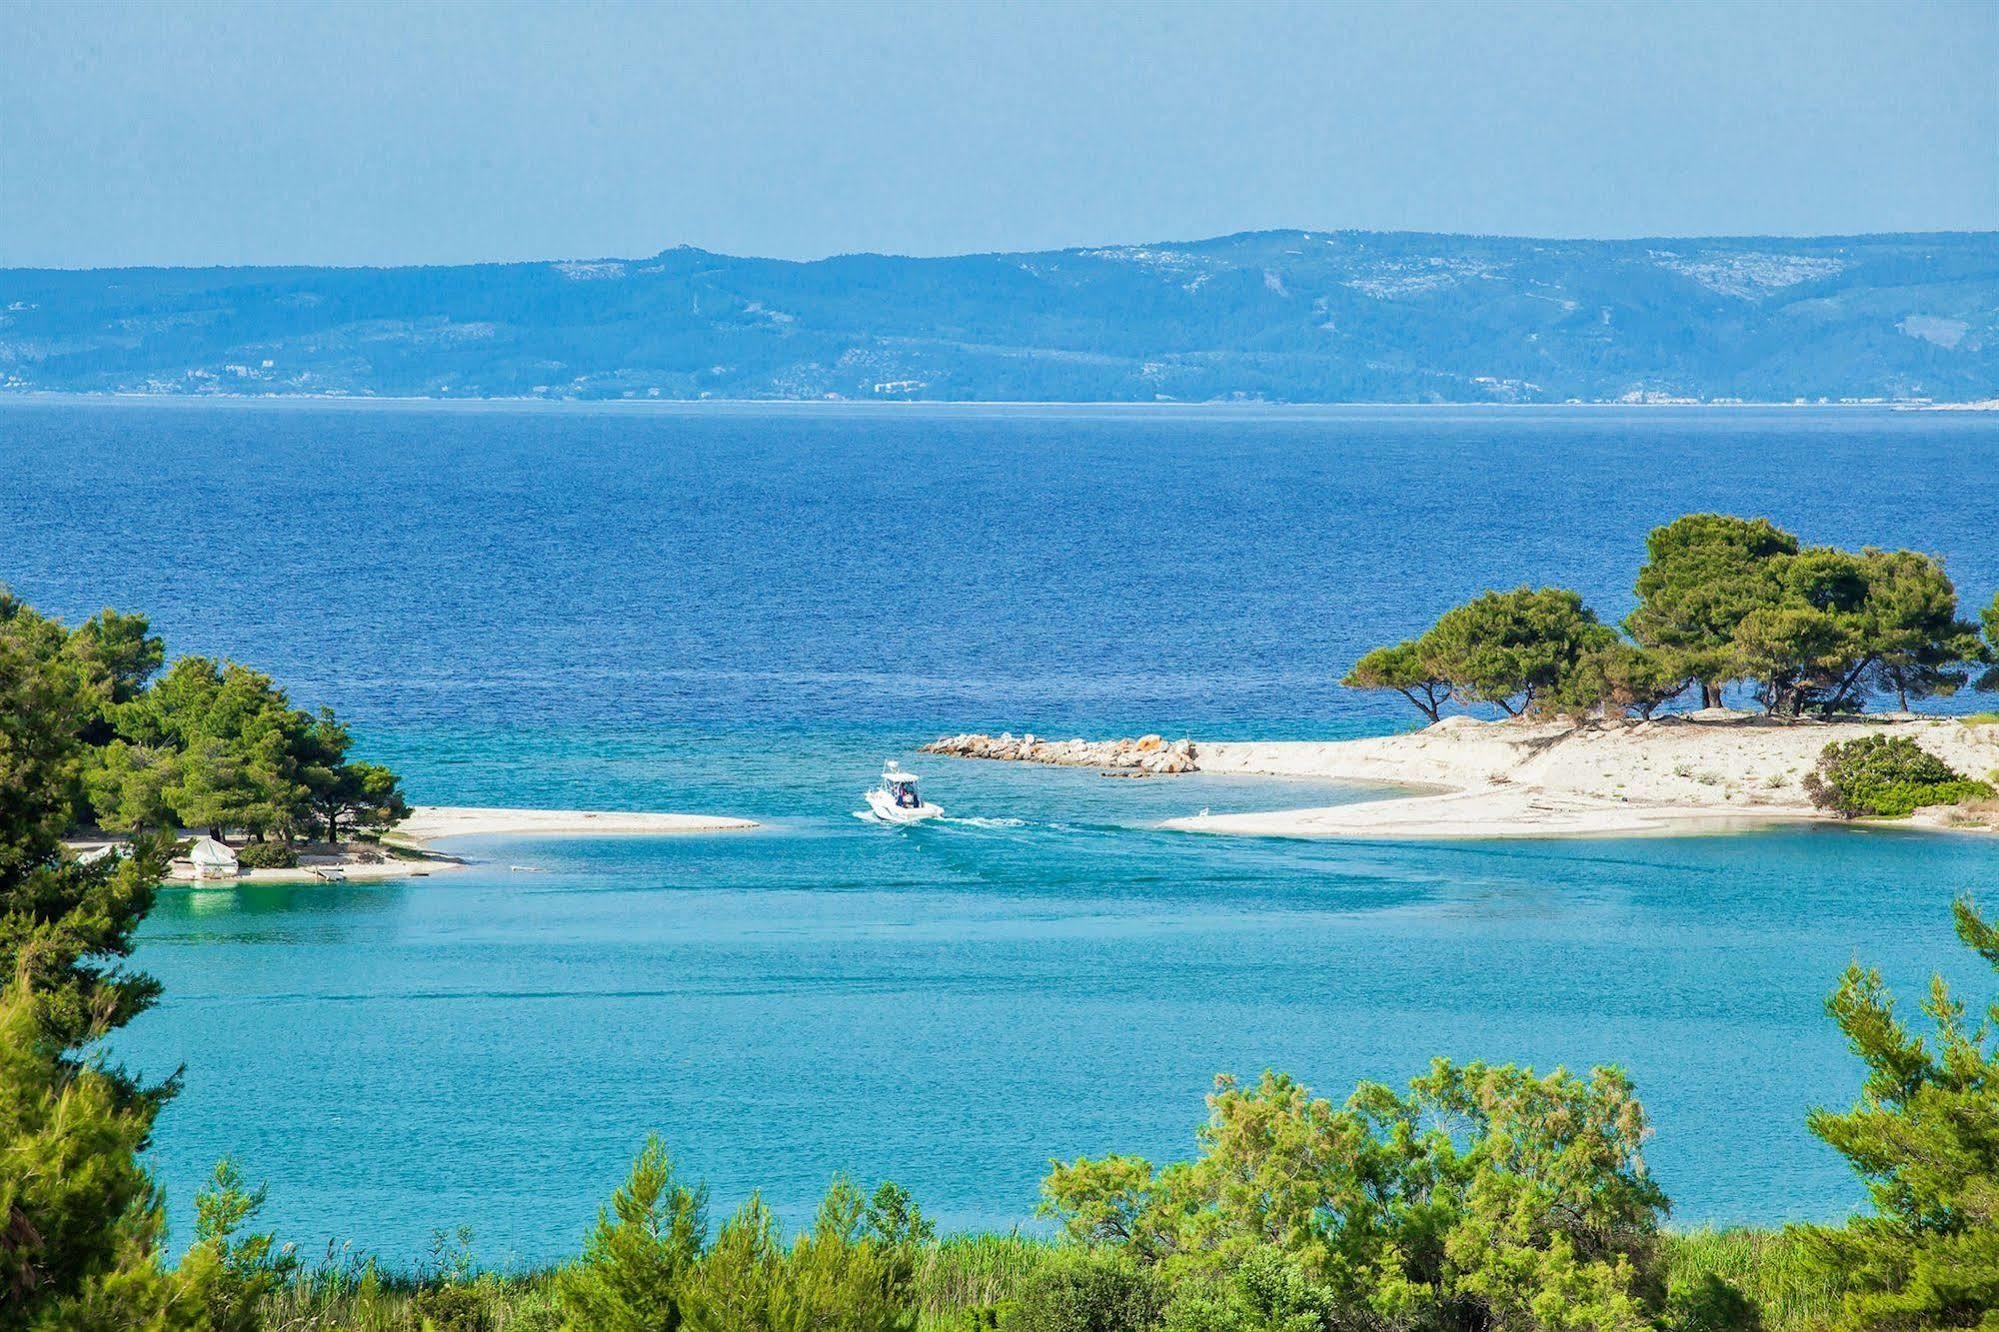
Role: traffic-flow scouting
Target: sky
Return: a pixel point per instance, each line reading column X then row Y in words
column 414, row 132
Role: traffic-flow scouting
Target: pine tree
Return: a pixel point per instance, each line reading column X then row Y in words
column 636, row 1261
column 1925, row 1138
column 80, row 1220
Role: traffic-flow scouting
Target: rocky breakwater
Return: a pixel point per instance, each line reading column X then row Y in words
column 1149, row 755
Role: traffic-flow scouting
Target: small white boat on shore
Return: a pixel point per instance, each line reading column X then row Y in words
column 896, row 799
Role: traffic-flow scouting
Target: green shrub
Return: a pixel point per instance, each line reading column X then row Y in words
column 267, row 855
column 452, row 1308
column 1088, row 1290
column 1881, row 777
column 1483, row 1196
column 1266, row 1291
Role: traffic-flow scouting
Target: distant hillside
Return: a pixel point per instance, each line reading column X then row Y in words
column 1284, row 316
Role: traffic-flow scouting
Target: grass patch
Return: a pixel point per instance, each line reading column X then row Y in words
column 1769, row 1267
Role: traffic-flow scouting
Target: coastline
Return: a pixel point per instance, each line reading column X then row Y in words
column 430, row 823
column 409, row 850
column 1685, row 775
column 139, row 397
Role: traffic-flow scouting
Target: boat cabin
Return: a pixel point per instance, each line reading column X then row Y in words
column 901, row 787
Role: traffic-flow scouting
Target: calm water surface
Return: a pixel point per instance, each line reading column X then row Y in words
column 744, row 610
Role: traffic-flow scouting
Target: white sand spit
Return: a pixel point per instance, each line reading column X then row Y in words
column 428, row 823
column 1700, row 773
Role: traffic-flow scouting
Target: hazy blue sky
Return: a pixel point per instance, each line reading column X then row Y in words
column 395, row 133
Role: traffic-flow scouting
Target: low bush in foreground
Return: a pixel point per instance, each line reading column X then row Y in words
column 1885, row 777
column 267, row 855
column 982, row 1283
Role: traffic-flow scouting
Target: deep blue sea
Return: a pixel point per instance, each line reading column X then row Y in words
column 744, row 610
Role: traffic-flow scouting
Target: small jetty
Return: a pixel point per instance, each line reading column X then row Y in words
column 1149, row 755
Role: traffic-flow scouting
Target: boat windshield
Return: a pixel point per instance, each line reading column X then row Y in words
column 903, row 789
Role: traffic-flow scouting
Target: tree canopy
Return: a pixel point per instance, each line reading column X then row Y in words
column 1701, row 575
column 1512, row 649
column 1720, row 600
column 80, row 1220
column 203, row 744
column 1408, row 671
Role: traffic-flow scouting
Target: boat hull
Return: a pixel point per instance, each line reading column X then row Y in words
column 882, row 806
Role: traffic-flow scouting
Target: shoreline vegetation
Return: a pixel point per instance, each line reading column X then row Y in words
column 213, row 757
column 1591, row 745
column 411, row 848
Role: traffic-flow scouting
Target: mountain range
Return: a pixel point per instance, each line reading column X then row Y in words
column 1282, row 316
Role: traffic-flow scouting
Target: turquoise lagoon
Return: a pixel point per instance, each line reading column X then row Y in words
column 745, row 610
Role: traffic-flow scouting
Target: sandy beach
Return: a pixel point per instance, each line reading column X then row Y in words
column 430, row 823
column 408, row 852
column 1700, row 773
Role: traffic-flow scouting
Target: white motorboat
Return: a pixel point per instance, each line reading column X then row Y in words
column 896, row 799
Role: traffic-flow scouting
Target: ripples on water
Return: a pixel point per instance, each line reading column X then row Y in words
column 745, row 611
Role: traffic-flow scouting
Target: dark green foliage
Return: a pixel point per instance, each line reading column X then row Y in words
column 1266, row 1290
column 267, row 855
column 211, row 745
column 1616, row 679
column 1989, row 617
column 1519, row 650
column 844, row 1274
column 65, row 928
column 1797, row 654
column 1720, row 599
column 451, row 1307
column 1703, row 573
column 1888, row 777
column 80, row 1221
column 1089, row 1290
column 1710, row 1304
column 648, row 1265
column 126, row 786
column 1924, row 1137
column 1513, row 649
column 966, row 1281
column 1772, row 1269
column 1403, row 669
column 1917, row 646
